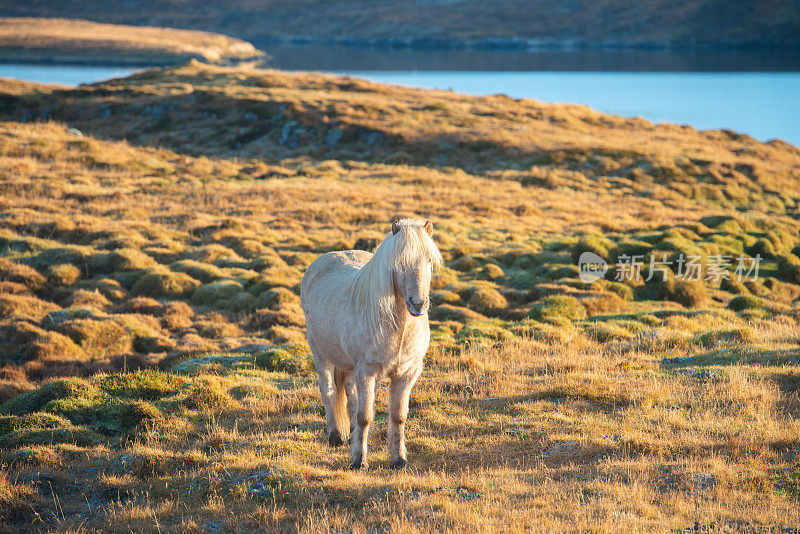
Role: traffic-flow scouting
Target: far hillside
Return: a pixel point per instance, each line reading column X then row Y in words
column 81, row 41
column 501, row 23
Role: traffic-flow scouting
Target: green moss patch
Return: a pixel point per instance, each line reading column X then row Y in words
column 205, row 272
column 86, row 411
column 291, row 358
column 745, row 302
column 215, row 293
column 165, row 284
column 483, row 332
column 725, row 337
column 558, row 309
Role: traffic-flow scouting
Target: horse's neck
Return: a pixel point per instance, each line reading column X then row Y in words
column 399, row 315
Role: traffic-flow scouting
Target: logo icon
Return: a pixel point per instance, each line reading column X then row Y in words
column 591, row 267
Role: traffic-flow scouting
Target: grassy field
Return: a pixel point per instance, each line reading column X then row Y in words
column 81, row 41
column 155, row 378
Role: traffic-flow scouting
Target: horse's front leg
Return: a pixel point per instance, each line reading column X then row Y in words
column 365, row 414
column 399, row 392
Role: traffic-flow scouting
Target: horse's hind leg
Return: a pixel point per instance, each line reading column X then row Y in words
column 352, row 401
column 327, row 390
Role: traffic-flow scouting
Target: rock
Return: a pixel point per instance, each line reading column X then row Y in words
column 288, row 137
column 333, row 137
column 372, row 138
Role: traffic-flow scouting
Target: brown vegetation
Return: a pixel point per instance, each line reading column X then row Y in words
column 547, row 402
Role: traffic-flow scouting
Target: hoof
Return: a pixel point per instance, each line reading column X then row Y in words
column 334, row 439
column 400, row 463
column 358, row 465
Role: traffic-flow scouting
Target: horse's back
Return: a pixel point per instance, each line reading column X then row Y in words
column 331, row 267
column 323, row 295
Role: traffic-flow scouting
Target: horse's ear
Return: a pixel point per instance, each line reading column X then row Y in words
column 395, row 227
column 429, row 227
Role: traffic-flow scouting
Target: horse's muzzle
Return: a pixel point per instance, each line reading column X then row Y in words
column 416, row 309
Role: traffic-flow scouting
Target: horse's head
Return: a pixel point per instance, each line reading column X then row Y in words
column 417, row 256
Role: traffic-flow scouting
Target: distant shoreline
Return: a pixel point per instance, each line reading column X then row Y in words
column 81, row 42
column 144, row 64
column 513, row 43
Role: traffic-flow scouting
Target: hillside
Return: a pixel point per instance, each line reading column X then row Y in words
column 153, row 232
column 81, row 41
column 436, row 23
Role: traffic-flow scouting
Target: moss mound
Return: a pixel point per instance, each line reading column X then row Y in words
column 292, row 358
column 746, row 302
column 624, row 291
column 165, row 284
column 483, row 332
column 217, row 293
column 205, row 272
column 492, row 271
column 725, row 336
column 98, row 338
column 42, row 428
column 443, row 278
column 278, row 306
column 120, row 260
column 789, row 268
column 689, row 293
column 558, row 309
column 487, row 301
column 53, row 347
column 25, row 307
column 446, row 312
column 22, row 274
column 606, row 331
column 602, row 302
column 764, row 248
column 277, row 298
column 146, row 384
column 594, row 244
column 63, row 274
column 75, row 254
column 81, row 411
column 206, row 394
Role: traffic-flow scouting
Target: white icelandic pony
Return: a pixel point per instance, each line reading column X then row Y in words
column 367, row 317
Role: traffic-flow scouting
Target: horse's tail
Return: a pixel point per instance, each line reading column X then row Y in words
column 340, row 404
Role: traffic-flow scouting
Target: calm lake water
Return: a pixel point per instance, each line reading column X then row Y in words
column 62, row 74
column 754, row 92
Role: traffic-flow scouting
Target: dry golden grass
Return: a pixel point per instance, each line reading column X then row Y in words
column 82, row 41
column 547, row 404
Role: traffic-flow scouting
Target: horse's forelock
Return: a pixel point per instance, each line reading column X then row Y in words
column 412, row 243
column 373, row 286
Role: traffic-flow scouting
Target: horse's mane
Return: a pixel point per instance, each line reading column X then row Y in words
column 373, row 285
